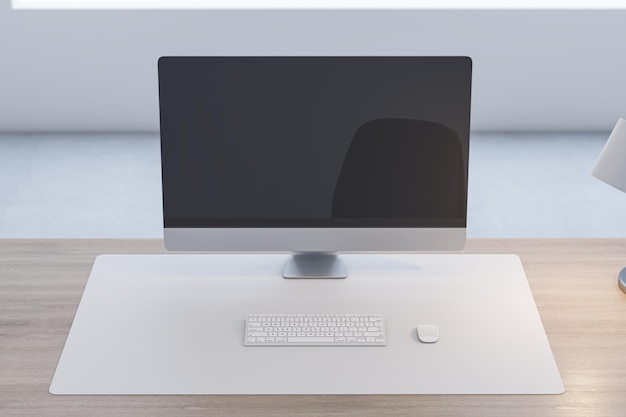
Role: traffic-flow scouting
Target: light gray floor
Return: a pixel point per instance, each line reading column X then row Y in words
column 108, row 185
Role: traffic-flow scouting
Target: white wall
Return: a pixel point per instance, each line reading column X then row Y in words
column 96, row 70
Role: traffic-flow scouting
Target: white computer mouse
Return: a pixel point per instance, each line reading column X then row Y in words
column 427, row 333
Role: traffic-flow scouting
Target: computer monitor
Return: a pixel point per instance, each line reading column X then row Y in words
column 314, row 155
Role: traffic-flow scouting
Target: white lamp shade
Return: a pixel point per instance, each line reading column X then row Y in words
column 611, row 165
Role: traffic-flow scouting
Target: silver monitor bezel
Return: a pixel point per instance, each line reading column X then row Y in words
column 314, row 239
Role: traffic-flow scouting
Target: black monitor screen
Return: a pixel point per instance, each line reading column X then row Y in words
column 314, row 141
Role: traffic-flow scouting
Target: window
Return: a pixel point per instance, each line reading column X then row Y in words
column 318, row 4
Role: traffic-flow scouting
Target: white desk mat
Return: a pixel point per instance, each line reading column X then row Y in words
column 173, row 324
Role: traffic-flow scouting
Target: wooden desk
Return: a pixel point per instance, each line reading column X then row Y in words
column 574, row 282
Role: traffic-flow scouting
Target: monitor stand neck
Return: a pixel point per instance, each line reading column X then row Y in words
column 315, row 265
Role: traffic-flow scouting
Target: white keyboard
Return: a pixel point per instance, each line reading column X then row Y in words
column 315, row 330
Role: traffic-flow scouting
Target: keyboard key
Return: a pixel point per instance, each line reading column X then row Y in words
column 320, row 339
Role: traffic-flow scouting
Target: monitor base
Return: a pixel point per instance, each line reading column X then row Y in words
column 316, row 265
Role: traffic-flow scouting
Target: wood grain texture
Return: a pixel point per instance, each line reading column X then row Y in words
column 574, row 282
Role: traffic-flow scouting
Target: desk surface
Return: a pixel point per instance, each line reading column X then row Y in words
column 573, row 282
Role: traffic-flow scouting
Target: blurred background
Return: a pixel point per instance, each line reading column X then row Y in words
column 79, row 143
